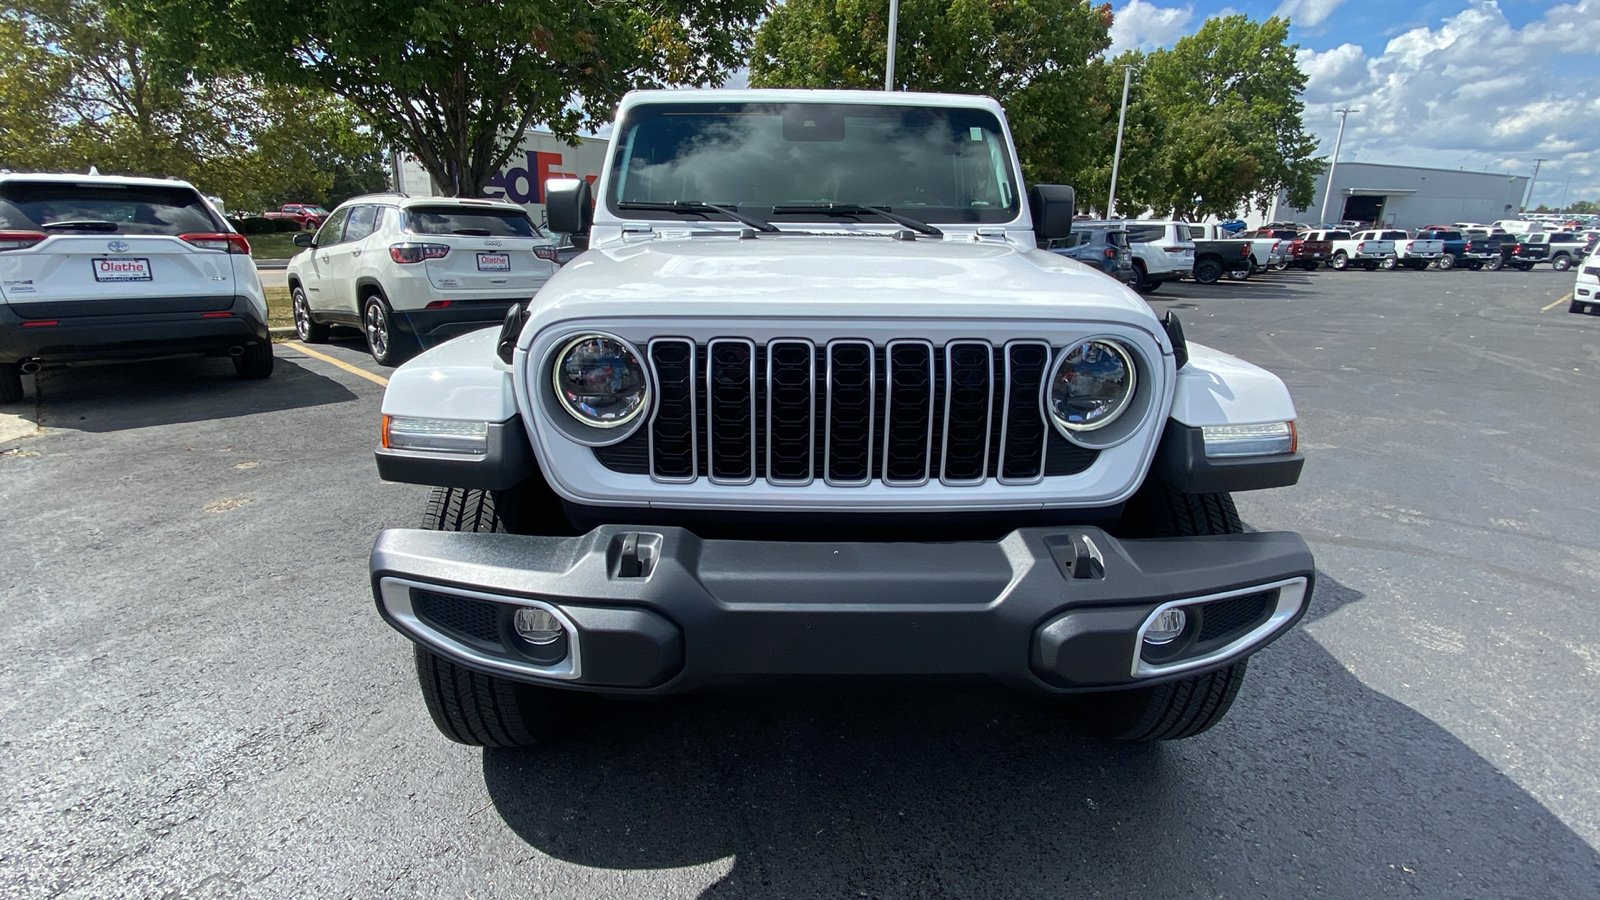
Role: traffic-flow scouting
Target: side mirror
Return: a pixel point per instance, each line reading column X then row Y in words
column 569, row 207
column 305, row 239
column 1052, row 207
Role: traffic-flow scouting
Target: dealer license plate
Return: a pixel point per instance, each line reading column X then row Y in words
column 121, row 269
column 494, row 262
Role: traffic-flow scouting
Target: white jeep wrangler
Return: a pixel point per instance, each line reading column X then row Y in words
column 813, row 404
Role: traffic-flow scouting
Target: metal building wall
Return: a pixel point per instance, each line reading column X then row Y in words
column 1413, row 196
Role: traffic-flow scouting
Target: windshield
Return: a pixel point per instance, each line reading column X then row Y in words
column 103, row 209
column 933, row 165
column 468, row 221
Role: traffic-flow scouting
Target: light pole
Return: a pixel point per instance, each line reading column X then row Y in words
column 1116, row 157
column 894, row 26
column 1327, row 190
column 1531, row 182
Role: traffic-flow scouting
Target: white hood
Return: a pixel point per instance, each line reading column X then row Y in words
column 834, row 278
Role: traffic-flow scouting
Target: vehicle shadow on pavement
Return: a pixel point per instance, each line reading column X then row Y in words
column 119, row 396
column 1315, row 783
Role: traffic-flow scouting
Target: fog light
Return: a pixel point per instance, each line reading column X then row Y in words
column 537, row 626
column 1166, row 627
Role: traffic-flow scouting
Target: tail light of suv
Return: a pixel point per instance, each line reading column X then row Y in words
column 226, row 242
column 548, row 253
column 414, row 253
column 1110, row 253
column 20, row 240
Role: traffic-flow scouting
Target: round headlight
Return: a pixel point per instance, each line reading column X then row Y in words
column 600, row 380
column 1092, row 385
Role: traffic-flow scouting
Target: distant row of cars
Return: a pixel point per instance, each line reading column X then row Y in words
column 1148, row 253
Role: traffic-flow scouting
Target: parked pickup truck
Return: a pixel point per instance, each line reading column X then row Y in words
column 1268, row 250
column 1300, row 253
column 1460, row 250
column 930, row 449
column 1349, row 251
column 1218, row 253
column 309, row 215
column 1409, row 252
column 1526, row 250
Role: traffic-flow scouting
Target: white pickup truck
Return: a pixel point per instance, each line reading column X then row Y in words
column 1413, row 253
column 813, row 404
column 1348, row 250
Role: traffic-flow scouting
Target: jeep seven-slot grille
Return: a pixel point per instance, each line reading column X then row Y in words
column 849, row 413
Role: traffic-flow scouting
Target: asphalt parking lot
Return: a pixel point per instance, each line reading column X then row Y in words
column 202, row 702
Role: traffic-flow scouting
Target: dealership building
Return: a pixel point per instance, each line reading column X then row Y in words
column 1408, row 197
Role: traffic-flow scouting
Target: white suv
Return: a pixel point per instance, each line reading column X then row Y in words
column 97, row 267
column 1162, row 251
column 1586, row 290
column 413, row 271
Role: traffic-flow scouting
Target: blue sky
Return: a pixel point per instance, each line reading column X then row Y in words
column 1486, row 85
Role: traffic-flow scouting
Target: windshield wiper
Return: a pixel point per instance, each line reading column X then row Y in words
column 81, row 225
column 695, row 206
column 857, row 209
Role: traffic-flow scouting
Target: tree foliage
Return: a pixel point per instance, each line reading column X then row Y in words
column 457, row 82
column 1214, row 124
column 1031, row 56
column 80, row 88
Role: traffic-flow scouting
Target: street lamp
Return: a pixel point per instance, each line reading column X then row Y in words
column 1327, row 191
column 1116, row 157
column 894, row 26
column 1531, row 182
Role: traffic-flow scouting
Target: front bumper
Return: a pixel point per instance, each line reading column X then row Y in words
column 659, row 610
column 80, row 338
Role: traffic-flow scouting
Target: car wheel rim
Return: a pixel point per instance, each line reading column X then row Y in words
column 302, row 316
column 377, row 330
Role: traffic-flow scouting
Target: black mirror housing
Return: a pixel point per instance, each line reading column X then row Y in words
column 305, row 239
column 1052, row 207
column 568, row 206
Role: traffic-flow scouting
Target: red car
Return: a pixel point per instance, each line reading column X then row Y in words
column 309, row 215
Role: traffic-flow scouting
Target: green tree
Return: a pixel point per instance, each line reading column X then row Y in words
column 80, row 88
column 1215, row 126
column 1031, row 56
column 457, row 82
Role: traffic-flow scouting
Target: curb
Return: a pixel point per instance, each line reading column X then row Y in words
column 272, row 264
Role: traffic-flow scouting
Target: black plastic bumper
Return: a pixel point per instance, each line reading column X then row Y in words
column 433, row 326
column 507, row 460
column 1182, row 463
column 660, row 610
column 80, row 338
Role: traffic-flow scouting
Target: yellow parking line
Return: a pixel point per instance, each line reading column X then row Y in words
column 353, row 370
column 1559, row 302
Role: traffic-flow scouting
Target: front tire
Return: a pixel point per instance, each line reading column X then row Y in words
column 1208, row 272
column 1447, row 261
column 467, row 706
column 255, row 362
column 11, row 383
column 307, row 329
column 1188, row 706
column 388, row 345
column 1389, row 262
column 1562, row 262
column 1341, row 261
column 1496, row 264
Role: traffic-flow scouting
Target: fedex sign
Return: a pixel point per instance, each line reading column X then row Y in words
column 525, row 183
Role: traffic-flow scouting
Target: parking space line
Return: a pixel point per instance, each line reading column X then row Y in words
column 353, row 370
column 1565, row 298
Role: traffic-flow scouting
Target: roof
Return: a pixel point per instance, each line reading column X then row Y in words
column 793, row 95
column 73, row 178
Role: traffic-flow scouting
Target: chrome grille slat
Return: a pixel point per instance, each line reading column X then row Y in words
column 731, row 410
column 1022, row 426
column 851, row 413
column 791, row 411
column 673, row 434
column 908, row 412
column 968, row 407
column 851, row 409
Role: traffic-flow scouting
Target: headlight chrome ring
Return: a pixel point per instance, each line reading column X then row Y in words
column 1092, row 384
column 600, row 380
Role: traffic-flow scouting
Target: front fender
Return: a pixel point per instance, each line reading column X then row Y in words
column 460, row 380
column 1218, row 389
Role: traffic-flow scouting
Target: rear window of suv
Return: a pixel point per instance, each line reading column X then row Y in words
column 466, row 220
column 1146, row 234
column 64, row 208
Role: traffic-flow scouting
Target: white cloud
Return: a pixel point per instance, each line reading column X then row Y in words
column 1473, row 92
column 1307, row 13
column 1145, row 26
